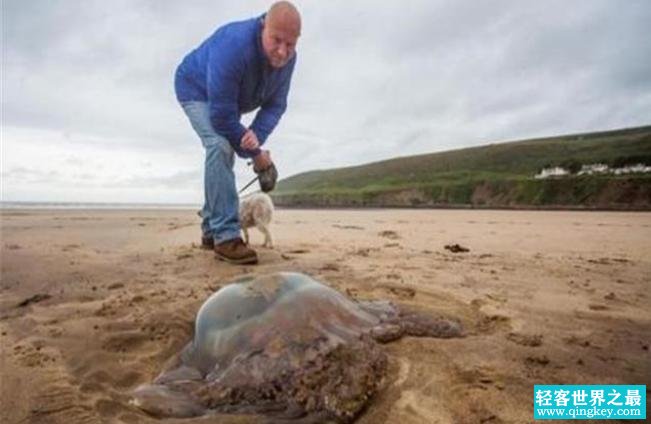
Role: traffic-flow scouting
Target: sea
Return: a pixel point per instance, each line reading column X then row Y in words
column 96, row 205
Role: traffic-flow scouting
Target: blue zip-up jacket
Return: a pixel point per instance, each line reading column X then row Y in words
column 230, row 71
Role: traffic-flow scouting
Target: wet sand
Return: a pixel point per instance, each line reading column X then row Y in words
column 93, row 303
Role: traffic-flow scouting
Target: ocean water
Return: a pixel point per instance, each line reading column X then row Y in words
column 93, row 205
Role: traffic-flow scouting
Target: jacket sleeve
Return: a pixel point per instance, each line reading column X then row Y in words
column 273, row 109
column 225, row 69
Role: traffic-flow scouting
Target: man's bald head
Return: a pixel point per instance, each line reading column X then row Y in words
column 282, row 27
column 285, row 14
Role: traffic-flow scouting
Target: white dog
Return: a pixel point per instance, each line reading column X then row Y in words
column 256, row 210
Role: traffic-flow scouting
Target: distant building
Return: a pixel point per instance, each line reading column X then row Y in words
column 592, row 169
column 595, row 168
column 556, row 171
column 630, row 169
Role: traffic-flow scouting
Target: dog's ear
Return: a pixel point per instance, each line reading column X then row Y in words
column 267, row 178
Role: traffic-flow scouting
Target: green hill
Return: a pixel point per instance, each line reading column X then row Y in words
column 496, row 175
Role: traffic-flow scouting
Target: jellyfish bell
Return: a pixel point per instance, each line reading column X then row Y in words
column 283, row 344
column 248, row 315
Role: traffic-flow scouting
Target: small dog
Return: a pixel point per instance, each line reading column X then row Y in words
column 256, row 210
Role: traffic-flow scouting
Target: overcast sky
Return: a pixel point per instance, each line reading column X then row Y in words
column 89, row 112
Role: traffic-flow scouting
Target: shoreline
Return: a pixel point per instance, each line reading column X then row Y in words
column 182, row 208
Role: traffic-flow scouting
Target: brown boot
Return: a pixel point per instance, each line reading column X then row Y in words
column 207, row 242
column 236, row 252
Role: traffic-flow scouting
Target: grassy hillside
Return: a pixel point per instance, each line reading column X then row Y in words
column 496, row 175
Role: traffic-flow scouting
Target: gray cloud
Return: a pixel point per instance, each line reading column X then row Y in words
column 30, row 175
column 33, row 176
column 179, row 179
column 374, row 80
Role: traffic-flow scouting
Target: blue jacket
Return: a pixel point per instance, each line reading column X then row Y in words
column 230, row 71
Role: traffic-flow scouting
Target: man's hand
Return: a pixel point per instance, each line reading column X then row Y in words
column 249, row 140
column 262, row 161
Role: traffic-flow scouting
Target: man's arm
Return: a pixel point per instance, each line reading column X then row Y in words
column 225, row 68
column 271, row 111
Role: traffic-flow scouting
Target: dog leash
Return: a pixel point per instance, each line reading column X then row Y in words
column 240, row 192
column 249, row 184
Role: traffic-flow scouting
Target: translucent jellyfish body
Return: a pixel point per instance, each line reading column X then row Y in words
column 287, row 346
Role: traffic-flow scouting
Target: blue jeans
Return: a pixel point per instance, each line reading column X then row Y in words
column 221, row 203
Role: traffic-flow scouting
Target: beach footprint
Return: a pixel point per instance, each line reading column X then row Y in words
column 389, row 234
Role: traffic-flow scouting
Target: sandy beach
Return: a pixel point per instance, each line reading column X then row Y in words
column 93, row 303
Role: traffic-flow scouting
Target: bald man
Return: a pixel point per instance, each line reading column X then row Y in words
column 243, row 66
